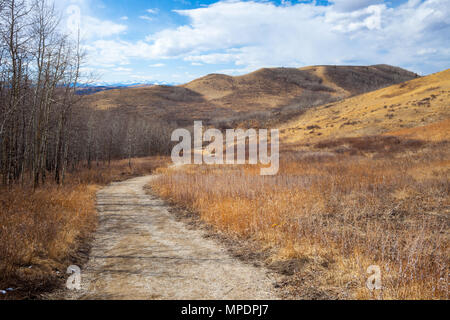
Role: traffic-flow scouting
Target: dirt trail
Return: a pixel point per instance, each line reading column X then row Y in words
column 141, row 252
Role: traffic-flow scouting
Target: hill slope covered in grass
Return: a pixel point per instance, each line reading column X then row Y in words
column 217, row 96
column 415, row 103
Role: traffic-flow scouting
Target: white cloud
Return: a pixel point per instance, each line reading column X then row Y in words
column 107, row 52
column 121, row 69
column 95, row 28
column 250, row 34
column 77, row 15
column 124, row 18
column 254, row 34
column 367, row 18
column 146, row 18
column 213, row 58
column 153, row 11
column 157, row 65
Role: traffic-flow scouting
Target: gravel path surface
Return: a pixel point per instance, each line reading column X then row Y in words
column 141, row 252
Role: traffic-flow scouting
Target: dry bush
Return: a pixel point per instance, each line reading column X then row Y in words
column 341, row 212
column 44, row 231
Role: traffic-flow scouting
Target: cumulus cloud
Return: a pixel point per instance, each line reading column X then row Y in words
column 213, row 58
column 368, row 18
column 252, row 34
column 95, row 28
column 77, row 16
column 146, row 18
column 113, row 52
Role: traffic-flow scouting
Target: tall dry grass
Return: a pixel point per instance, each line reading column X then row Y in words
column 44, row 231
column 340, row 211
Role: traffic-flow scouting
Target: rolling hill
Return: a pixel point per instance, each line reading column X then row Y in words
column 266, row 91
column 419, row 108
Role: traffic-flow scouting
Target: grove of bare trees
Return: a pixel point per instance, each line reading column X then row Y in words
column 45, row 129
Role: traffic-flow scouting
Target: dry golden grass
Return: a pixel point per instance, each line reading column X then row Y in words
column 42, row 232
column 438, row 131
column 414, row 103
column 336, row 213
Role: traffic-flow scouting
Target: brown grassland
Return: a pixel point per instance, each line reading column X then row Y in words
column 42, row 232
column 362, row 182
column 333, row 214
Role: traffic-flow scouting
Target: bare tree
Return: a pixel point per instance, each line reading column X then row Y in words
column 45, row 130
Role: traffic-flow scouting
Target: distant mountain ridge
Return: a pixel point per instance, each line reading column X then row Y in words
column 95, row 87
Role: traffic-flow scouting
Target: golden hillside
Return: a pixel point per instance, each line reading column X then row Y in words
column 266, row 90
column 395, row 109
column 156, row 102
column 278, row 87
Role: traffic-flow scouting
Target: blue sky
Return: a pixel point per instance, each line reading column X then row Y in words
column 180, row 40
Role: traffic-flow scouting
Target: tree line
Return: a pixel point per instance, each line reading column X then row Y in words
column 45, row 129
